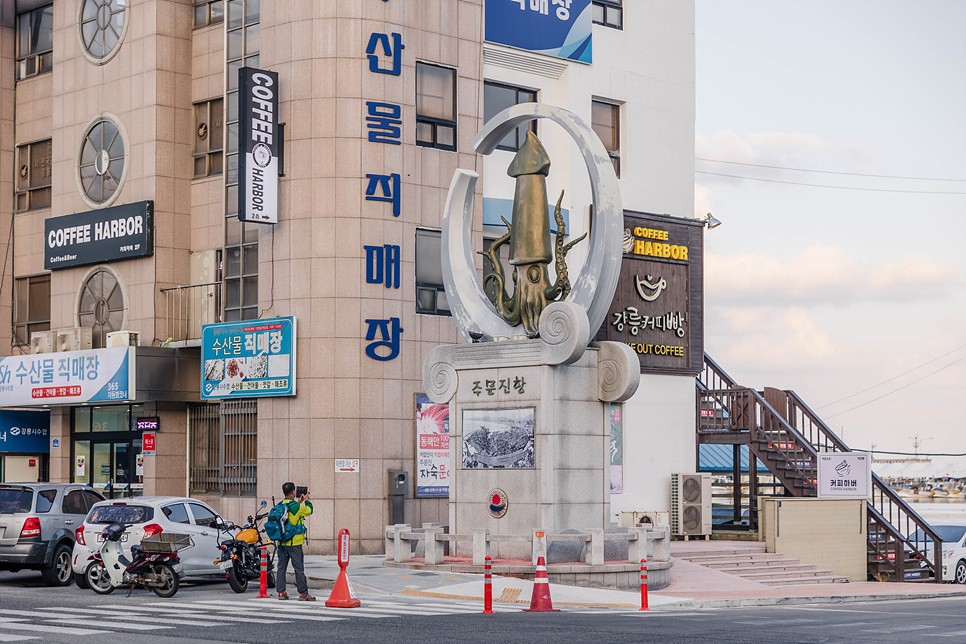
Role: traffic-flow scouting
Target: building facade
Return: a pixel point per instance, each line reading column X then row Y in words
column 128, row 112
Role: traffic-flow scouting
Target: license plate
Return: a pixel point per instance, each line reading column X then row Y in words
column 178, row 568
column 100, row 538
column 225, row 565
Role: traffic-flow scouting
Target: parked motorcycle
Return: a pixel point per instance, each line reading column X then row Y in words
column 155, row 563
column 245, row 551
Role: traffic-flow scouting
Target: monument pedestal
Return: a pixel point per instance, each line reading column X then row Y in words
column 528, row 429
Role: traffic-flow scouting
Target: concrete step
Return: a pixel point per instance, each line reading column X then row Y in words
column 722, row 556
column 685, row 554
column 806, row 581
column 803, row 570
column 747, row 564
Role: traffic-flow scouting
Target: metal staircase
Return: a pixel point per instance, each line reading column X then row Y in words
column 782, row 432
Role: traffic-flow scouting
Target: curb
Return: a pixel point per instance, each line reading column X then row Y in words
column 747, row 602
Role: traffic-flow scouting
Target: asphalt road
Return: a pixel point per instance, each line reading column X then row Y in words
column 211, row 612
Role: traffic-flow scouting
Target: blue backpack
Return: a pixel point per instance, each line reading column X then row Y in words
column 277, row 526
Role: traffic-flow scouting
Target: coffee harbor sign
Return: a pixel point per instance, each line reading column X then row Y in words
column 657, row 309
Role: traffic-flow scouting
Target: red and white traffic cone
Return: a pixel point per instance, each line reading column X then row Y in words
column 263, row 576
column 487, row 589
column 644, row 585
column 540, row 600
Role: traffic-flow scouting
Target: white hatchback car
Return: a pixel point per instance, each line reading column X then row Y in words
column 149, row 515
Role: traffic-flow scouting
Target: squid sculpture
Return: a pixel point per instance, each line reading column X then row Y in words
column 530, row 249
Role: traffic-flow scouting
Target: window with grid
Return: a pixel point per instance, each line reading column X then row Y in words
column 31, row 307
column 33, row 176
column 209, row 130
column 605, row 119
column 209, row 12
column 35, row 42
column 430, row 292
column 609, row 13
column 435, row 106
column 241, row 239
column 496, row 98
column 223, row 457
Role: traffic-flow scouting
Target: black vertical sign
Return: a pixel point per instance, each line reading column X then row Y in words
column 259, row 145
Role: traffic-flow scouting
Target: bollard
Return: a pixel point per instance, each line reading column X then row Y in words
column 487, row 588
column 263, row 576
column 644, row 585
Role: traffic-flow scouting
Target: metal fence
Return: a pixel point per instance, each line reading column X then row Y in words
column 223, row 448
column 187, row 308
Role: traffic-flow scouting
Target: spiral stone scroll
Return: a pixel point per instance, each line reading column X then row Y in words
column 565, row 329
column 618, row 372
column 439, row 376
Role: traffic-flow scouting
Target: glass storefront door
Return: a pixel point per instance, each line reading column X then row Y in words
column 106, row 453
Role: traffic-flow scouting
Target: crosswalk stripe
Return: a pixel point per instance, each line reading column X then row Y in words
column 64, row 611
column 38, row 628
column 199, row 612
column 5, row 637
column 959, row 634
column 128, row 624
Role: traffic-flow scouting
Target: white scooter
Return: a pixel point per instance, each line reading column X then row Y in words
column 155, row 563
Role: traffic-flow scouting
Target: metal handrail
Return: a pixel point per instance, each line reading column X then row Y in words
column 188, row 307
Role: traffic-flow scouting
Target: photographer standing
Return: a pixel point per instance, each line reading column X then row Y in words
column 298, row 507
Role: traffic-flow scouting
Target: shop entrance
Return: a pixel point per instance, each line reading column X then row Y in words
column 106, row 452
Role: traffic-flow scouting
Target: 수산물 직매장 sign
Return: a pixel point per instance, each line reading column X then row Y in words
column 248, row 358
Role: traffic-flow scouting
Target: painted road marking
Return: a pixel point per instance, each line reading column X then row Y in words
column 38, row 628
column 134, row 626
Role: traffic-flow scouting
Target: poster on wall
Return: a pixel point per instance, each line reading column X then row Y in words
column 560, row 28
column 80, row 466
column 498, row 438
column 616, row 449
column 432, row 448
column 68, row 377
column 249, row 358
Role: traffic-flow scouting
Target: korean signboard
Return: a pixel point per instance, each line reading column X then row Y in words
column 560, row 28
column 105, row 235
column 259, row 146
column 147, row 442
column 68, row 378
column 248, row 358
column 844, row 475
column 432, row 448
column 657, row 309
column 25, row 431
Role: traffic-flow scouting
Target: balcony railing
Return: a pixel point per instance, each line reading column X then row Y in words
column 189, row 307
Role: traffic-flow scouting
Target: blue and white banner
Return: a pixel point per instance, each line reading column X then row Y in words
column 560, row 28
column 248, row 358
column 25, row 431
column 68, row 377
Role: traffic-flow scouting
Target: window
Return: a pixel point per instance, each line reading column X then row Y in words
column 209, row 12
column 430, row 294
column 176, row 513
column 203, row 516
column 102, row 162
column 45, row 500
column 31, row 307
column 240, row 274
column 609, row 13
column 74, row 503
column 101, row 305
column 496, row 98
column 102, row 24
column 435, row 107
column 223, row 457
column 605, row 119
column 33, row 176
column 35, row 42
column 209, row 121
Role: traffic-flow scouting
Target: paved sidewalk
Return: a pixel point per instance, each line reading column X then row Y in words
column 692, row 586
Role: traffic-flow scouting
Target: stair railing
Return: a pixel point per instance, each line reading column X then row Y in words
column 886, row 507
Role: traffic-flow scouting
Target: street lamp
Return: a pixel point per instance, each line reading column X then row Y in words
column 711, row 222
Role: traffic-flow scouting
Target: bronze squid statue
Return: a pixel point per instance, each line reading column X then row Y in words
column 529, row 237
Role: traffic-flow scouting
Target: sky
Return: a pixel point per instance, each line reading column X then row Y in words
column 853, row 298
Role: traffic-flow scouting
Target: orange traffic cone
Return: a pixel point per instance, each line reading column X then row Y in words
column 342, row 595
column 540, row 601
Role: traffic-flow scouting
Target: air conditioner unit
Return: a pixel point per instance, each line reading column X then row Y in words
column 41, row 341
column 122, row 339
column 73, row 339
column 690, row 504
column 648, row 518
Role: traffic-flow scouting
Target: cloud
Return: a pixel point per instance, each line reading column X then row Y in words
column 826, row 275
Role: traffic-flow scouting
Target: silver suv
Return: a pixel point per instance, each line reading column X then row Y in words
column 37, row 523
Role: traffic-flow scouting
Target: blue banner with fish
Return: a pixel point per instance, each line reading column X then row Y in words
column 248, row 358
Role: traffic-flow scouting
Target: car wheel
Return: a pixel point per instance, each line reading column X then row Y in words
column 59, row 571
column 81, row 581
column 961, row 572
column 98, row 580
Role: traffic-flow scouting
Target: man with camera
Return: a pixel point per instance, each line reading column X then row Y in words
column 298, row 505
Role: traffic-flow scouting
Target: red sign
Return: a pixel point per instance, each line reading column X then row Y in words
column 343, row 548
column 55, row 392
column 433, row 441
column 32, row 462
column 147, row 441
